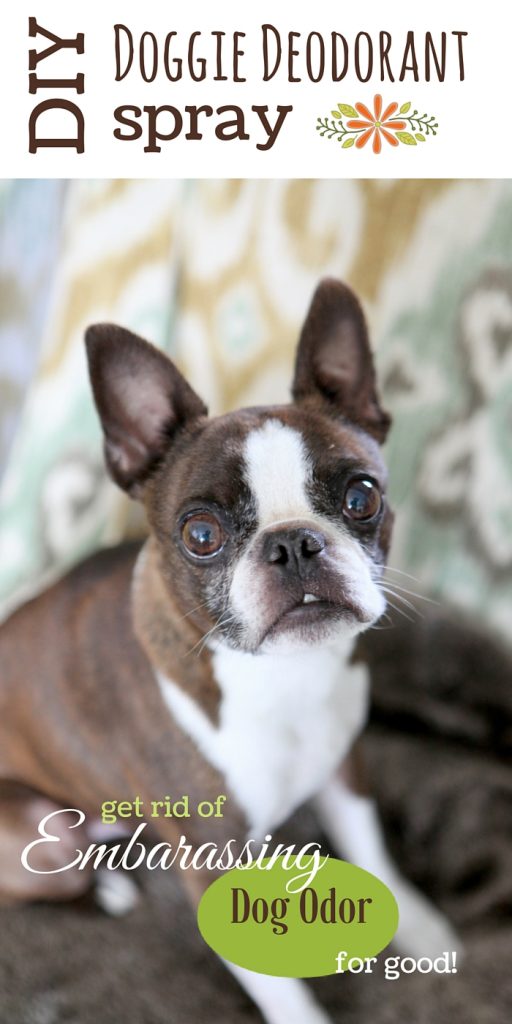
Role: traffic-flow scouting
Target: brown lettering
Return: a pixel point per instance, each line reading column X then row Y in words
column 36, row 143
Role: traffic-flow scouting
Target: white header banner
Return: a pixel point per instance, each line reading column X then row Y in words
column 328, row 89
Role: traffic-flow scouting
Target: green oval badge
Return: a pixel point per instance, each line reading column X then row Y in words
column 250, row 917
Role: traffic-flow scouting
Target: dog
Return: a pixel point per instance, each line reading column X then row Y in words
column 218, row 657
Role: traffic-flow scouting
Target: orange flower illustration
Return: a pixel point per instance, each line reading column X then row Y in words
column 377, row 124
column 357, row 131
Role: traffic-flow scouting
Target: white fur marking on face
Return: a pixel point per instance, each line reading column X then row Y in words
column 278, row 469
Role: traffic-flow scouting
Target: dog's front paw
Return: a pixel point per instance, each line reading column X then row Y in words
column 280, row 1000
column 115, row 892
column 305, row 1010
column 422, row 929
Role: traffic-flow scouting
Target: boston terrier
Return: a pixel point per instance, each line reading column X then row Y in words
column 218, row 657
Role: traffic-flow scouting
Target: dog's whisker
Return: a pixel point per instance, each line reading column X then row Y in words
column 405, row 590
column 412, row 593
column 222, row 621
column 202, row 640
column 226, row 622
column 390, row 568
column 204, row 604
column 400, row 610
column 390, row 590
column 211, row 633
column 404, row 602
column 385, row 615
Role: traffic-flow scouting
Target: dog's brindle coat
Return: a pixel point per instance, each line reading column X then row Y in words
column 168, row 670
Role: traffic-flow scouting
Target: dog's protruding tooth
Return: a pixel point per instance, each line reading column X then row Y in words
column 308, row 598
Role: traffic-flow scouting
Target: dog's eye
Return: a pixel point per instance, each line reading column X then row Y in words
column 202, row 534
column 362, row 500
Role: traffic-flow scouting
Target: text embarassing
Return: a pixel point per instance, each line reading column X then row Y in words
column 306, row 861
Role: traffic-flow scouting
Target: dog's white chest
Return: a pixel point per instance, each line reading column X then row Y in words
column 286, row 722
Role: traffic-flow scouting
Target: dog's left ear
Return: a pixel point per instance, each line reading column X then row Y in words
column 334, row 361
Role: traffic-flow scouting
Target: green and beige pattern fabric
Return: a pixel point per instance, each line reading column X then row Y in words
column 220, row 273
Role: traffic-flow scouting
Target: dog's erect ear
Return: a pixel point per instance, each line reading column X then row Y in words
column 141, row 398
column 334, row 360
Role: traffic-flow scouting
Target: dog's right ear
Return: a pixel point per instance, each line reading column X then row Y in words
column 141, row 398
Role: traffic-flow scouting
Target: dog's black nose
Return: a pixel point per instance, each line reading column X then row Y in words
column 292, row 547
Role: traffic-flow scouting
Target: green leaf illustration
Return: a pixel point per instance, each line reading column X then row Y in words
column 336, row 114
column 406, row 138
column 419, row 137
column 348, row 143
column 405, row 107
column 347, row 110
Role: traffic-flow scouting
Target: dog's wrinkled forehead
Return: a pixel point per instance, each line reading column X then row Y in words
column 295, row 464
column 272, row 464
